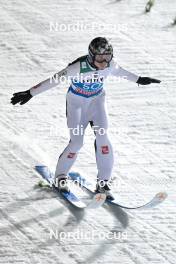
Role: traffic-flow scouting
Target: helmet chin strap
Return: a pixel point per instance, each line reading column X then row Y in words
column 91, row 63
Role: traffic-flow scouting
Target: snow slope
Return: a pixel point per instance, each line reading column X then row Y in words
column 142, row 127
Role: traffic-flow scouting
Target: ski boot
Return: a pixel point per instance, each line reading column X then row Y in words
column 104, row 187
column 61, row 183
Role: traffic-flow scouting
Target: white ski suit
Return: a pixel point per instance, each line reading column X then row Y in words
column 86, row 104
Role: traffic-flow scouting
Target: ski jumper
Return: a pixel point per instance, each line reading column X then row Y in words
column 86, row 104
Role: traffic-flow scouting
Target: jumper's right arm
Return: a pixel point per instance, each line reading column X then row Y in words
column 24, row 96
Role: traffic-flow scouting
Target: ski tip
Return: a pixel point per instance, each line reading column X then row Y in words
column 161, row 196
column 100, row 196
column 97, row 201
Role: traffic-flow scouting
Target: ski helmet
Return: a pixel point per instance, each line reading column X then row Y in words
column 100, row 50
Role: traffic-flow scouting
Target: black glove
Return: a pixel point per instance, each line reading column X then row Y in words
column 147, row 80
column 21, row 97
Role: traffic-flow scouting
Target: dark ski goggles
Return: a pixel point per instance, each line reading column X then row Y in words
column 103, row 58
